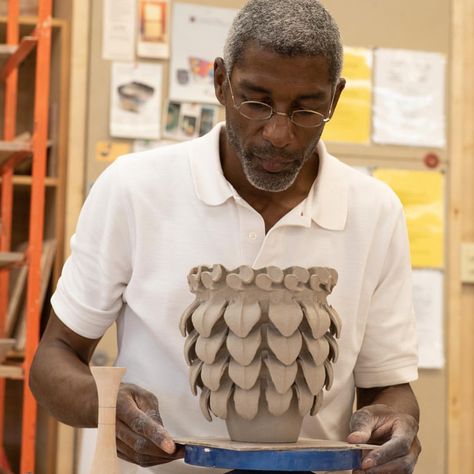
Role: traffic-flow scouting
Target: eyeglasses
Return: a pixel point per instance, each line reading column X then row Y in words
column 255, row 110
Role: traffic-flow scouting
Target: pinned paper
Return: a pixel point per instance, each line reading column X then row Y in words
column 409, row 97
column 153, row 34
column 428, row 301
column 198, row 37
column 136, row 100
column 109, row 151
column 185, row 121
column 422, row 196
column 118, row 40
column 351, row 121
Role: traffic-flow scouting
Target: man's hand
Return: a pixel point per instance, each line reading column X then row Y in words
column 141, row 437
column 396, row 432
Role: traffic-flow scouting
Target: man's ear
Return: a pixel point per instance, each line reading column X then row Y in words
column 220, row 77
column 341, row 83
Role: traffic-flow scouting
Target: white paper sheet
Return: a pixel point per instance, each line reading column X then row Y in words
column 198, row 37
column 409, row 98
column 428, row 301
column 119, row 25
column 136, row 100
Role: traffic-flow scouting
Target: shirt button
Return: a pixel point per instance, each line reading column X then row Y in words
column 252, row 235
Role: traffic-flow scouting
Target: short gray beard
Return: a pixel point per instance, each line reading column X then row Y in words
column 261, row 179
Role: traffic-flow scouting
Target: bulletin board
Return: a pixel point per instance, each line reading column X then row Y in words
column 404, row 24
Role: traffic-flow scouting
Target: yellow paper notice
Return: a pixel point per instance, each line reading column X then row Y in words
column 109, row 151
column 422, row 196
column 352, row 118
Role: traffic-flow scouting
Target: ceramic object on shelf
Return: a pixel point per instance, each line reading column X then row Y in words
column 260, row 346
column 107, row 380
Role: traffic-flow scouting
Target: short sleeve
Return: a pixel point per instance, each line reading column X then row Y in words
column 89, row 294
column 389, row 350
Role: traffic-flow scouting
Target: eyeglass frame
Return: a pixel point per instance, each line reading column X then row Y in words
column 325, row 119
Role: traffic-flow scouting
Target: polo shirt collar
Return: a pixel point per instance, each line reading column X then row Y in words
column 328, row 205
column 327, row 201
column 209, row 181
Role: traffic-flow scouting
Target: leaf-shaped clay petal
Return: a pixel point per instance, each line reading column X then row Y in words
column 318, row 348
column 194, row 373
column 204, row 403
column 313, row 317
column 283, row 376
column 246, row 401
column 286, row 316
column 220, row 399
column 208, row 347
column 329, row 375
column 324, row 320
column 241, row 316
column 185, row 324
column 304, row 396
column 211, row 374
column 333, row 347
column 190, row 347
column 315, row 375
column 286, row 349
column 317, row 404
column 245, row 376
column 234, row 281
column 278, row 403
column 243, row 349
column 207, row 315
column 336, row 322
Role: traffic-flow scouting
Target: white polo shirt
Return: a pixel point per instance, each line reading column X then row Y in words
column 152, row 216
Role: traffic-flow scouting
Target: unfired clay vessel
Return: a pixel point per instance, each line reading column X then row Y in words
column 107, row 380
column 260, row 344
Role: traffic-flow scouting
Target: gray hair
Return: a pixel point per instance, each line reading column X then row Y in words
column 288, row 27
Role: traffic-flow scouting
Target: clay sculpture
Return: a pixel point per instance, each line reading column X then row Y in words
column 260, row 346
column 107, row 380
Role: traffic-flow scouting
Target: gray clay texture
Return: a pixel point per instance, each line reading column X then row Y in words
column 260, row 346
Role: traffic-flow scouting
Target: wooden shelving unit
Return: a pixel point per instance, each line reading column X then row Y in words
column 16, row 151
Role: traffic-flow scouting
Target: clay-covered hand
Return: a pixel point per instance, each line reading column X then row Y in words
column 395, row 432
column 141, row 437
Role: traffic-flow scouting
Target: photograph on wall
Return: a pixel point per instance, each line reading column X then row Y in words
column 192, row 61
column 351, row 121
column 153, row 29
column 136, row 100
column 185, row 120
column 409, row 98
column 118, row 37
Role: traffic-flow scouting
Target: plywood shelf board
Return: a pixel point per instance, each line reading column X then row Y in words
column 19, row 180
column 7, row 49
column 25, row 47
column 14, row 372
column 11, row 258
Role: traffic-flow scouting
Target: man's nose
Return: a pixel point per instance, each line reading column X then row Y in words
column 279, row 130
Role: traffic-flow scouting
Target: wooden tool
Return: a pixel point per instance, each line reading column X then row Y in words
column 107, row 380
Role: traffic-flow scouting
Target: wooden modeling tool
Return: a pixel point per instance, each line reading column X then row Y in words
column 107, row 380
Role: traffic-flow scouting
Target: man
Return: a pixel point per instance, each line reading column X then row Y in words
column 260, row 190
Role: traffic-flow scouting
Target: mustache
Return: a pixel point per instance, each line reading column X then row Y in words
column 269, row 151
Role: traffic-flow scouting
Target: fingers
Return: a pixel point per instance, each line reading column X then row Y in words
column 403, row 465
column 146, row 459
column 141, row 437
column 362, row 424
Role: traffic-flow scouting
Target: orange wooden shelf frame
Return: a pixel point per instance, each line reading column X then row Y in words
column 12, row 152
